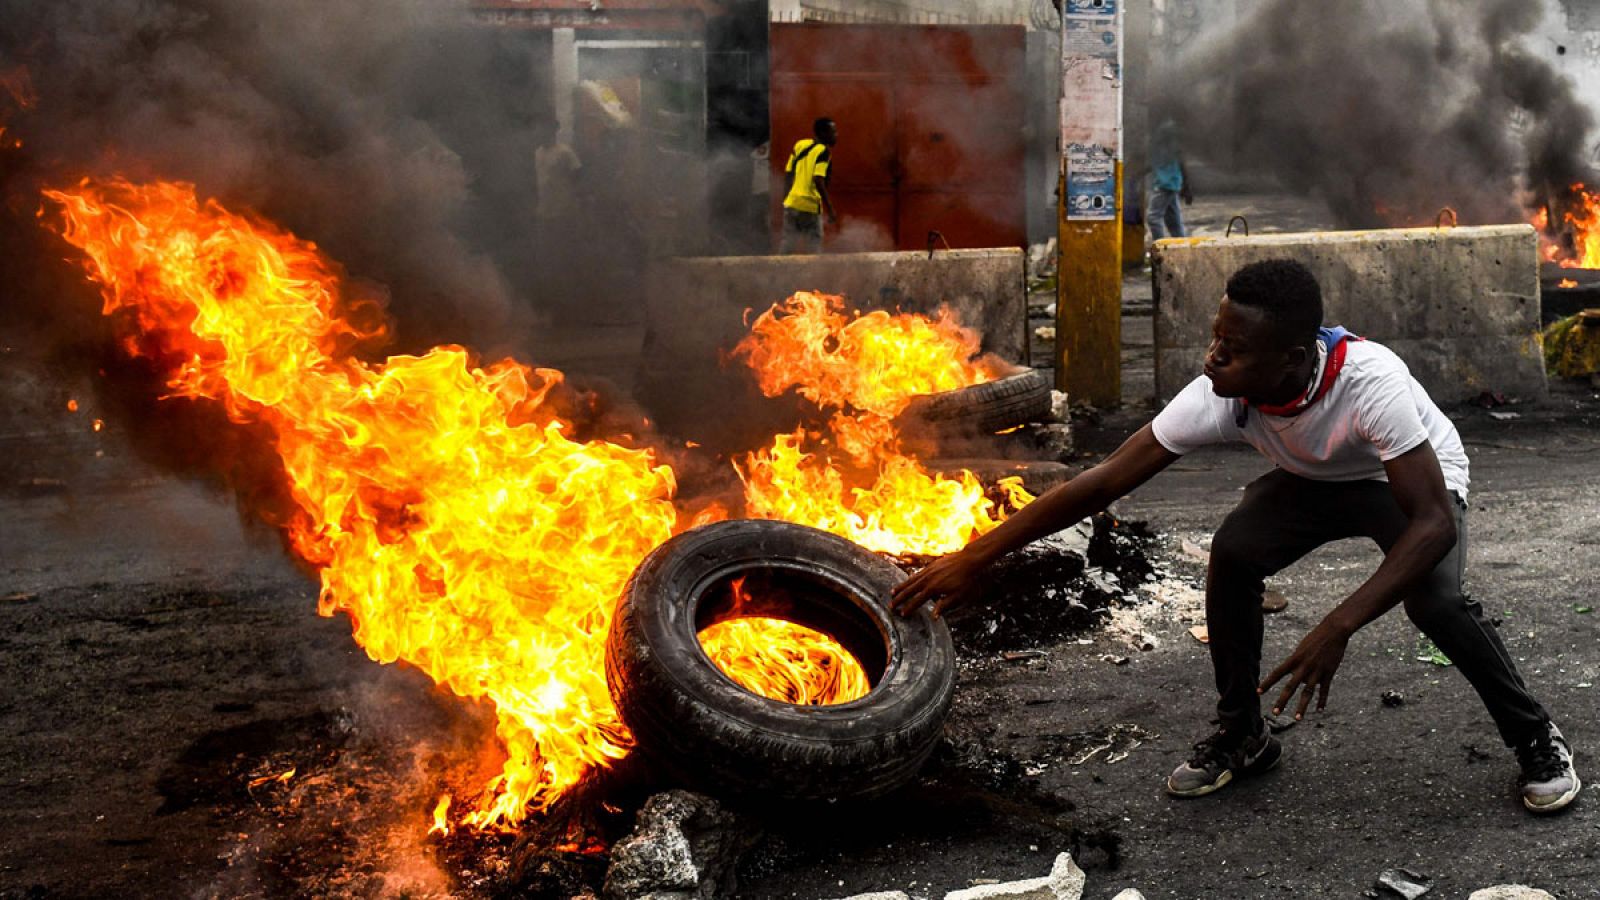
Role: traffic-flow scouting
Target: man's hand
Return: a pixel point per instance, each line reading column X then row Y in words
column 1310, row 668
column 1186, row 195
column 949, row 579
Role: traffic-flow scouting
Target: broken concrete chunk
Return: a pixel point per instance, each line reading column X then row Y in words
column 1065, row 882
column 1129, row 894
column 1510, row 892
column 1279, row 723
column 1274, row 601
column 1403, row 883
column 684, row 846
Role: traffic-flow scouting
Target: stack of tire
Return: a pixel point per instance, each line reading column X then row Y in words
column 950, row 429
column 1019, row 398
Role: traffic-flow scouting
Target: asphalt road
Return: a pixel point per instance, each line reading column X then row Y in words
column 158, row 656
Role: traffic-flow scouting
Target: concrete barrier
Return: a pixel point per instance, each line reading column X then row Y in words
column 1459, row 305
column 696, row 307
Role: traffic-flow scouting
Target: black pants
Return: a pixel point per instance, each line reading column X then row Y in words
column 1282, row 518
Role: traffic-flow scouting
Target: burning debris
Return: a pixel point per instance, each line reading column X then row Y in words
column 445, row 504
column 852, row 475
column 1485, row 125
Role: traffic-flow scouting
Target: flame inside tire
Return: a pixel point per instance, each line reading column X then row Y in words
column 704, row 730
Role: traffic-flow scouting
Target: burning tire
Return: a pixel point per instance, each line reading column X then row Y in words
column 993, row 406
column 703, row 729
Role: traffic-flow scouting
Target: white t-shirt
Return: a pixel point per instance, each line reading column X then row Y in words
column 1374, row 412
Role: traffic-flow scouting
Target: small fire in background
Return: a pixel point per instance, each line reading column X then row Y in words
column 1570, row 236
column 865, row 369
column 444, row 506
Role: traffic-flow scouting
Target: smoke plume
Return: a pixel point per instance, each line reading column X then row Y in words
column 388, row 130
column 1388, row 111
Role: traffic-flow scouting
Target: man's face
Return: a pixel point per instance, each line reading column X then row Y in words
column 1245, row 358
column 830, row 133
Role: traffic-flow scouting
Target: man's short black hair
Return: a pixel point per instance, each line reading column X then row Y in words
column 821, row 125
column 1286, row 291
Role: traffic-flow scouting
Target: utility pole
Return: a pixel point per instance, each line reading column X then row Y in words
column 1089, row 268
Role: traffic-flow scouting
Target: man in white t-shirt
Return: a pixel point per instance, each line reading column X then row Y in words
column 1360, row 451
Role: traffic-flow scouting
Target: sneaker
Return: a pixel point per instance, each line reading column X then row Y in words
column 1548, row 781
column 1220, row 758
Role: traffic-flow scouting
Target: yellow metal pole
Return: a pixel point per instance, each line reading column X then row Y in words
column 1089, row 307
column 1089, row 224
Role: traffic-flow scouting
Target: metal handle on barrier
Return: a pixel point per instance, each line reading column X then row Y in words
column 1438, row 221
column 1242, row 221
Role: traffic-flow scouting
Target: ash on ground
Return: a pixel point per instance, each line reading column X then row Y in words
column 1059, row 586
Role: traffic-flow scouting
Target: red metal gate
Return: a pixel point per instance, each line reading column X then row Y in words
column 930, row 129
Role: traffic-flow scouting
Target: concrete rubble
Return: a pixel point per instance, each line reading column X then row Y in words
column 684, row 846
column 1402, row 883
column 1065, row 882
column 1510, row 892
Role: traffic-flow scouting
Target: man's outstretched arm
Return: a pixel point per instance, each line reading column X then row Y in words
column 1418, row 486
column 950, row 579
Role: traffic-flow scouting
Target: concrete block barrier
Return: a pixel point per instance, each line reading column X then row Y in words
column 1459, row 305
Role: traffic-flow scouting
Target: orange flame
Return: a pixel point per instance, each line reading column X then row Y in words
column 446, row 510
column 1575, row 242
column 781, row 660
column 1566, row 283
column 874, row 363
column 785, row 661
column 867, row 368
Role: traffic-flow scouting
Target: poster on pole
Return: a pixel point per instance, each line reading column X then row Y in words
column 1090, row 102
column 1091, row 183
column 1104, row 8
column 1089, row 37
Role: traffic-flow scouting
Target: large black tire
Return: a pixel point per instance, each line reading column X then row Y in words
column 993, row 406
column 703, row 730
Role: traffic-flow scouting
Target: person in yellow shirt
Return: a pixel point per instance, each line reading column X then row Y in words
column 807, row 198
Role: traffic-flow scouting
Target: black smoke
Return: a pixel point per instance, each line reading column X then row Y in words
column 393, row 133
column 1387, row 111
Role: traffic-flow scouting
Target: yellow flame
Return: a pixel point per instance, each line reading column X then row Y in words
column 441, row 821
column 867, row 368
column 785, row 661
column 281, row 777
column 441, row 502
column 447, row 512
